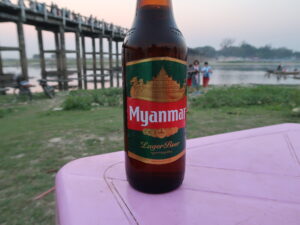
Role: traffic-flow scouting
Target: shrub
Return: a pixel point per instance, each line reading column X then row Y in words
column 234, row 96
column 4, row 112
column 78, row 103
column 239, row 96
column 85, row 99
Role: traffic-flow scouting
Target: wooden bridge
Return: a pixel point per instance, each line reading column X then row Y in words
column 60, row 21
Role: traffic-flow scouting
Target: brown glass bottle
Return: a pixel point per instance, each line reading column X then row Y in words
column 154, row 36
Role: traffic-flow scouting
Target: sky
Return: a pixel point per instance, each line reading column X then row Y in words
column 203, row 22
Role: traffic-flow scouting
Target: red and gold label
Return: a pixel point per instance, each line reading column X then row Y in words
column 156, row 109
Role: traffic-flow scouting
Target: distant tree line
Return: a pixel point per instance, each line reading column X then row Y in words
column 244, row 50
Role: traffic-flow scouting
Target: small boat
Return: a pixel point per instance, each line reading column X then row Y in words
column 283, row 72
column 296, row 77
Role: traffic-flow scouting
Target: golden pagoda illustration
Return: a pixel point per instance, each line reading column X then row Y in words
column 161, row 89
column 161, row 133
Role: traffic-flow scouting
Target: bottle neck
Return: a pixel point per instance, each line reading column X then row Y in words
column 153, row 12
column 166, row 3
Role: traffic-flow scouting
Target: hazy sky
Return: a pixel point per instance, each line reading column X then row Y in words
column 203, row 22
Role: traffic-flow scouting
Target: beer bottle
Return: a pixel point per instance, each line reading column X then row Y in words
column 154, row 82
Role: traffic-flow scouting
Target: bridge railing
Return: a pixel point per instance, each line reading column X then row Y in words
column 66, row 15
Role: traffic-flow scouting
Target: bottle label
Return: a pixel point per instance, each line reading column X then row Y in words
column 156, row 109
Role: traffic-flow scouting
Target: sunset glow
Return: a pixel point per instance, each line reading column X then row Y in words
column 258, row 22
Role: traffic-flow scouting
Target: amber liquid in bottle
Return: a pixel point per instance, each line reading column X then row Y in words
column 154, row 34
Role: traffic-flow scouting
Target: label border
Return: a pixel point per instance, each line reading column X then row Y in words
column 156, row 59
column 156, row 161
column 144, row 63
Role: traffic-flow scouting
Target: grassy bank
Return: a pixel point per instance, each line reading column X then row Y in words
column 38, row 138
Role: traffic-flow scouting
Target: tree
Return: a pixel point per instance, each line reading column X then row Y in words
column 226, row 43
column 247, row 50
column 231, row 51
column 281, row 53
column 297, row 55
column 265, row 52
column 206, row 51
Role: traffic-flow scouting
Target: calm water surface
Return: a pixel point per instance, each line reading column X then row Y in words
column 231, row 77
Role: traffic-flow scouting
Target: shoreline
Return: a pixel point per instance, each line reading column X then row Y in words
column 213, row 62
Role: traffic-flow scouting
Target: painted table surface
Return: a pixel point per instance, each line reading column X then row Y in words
column 249, row 177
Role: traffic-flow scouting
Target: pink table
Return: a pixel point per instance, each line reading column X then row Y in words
column 249, row 177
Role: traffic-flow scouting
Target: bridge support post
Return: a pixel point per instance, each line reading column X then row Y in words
column 110, row 54
column 78, row 59
column 42, row 54
column 58, row 61
column 2, row 92
column 117, row 64
column 23, row 10
column 23, row 57
column 1, row 65
column 94, row 63
column 63, row 58
column 102, row 62
column 84, row 62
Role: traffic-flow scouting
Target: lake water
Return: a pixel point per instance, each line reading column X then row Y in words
column 231, row 77
column 222, row 75
column 251, row 74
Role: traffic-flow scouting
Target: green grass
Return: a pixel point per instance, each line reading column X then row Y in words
column 35, row 140
column 238, row 96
